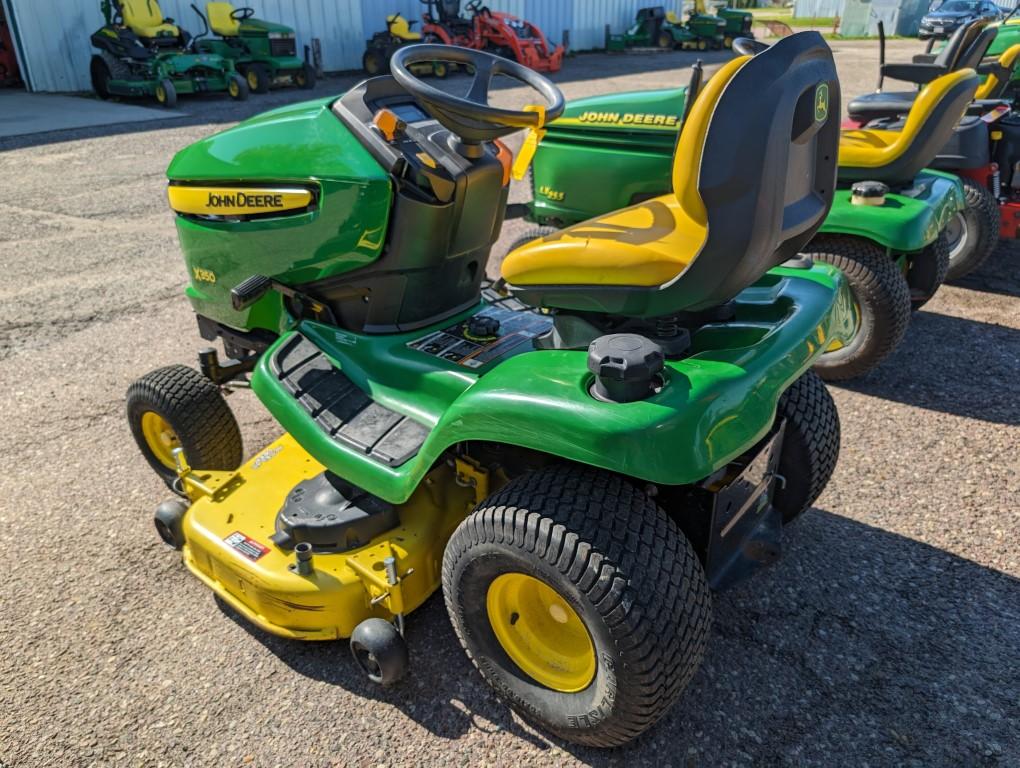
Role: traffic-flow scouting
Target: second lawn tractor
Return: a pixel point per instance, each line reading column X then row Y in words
column 654, row 27
column 886, row 229
column 499, row 33
column 264, row 52
column 142, row 53
column 382, row 45
column 577, row 454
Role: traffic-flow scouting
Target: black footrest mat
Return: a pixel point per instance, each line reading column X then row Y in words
column 341, row 410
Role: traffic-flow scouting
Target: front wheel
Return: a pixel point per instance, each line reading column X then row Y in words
column 304, row 78
column 178, row 407
column 974, row 232
column 665, row 40
column 928, row 271
column 881, row 298
column 257, row 77
column 166, row 94
column 530, row 235
column 810, row 444
column 237, row 87
column 375, row 63
column 579, row 601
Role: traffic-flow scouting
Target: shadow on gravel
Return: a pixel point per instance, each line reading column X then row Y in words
column 205, row 109
column 858, row 642
column 953, row 365
column 1000, row 274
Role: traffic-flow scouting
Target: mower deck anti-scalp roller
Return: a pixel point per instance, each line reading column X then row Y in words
column 577, row 455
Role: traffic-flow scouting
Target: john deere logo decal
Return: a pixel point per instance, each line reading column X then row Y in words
column 821, row 102
column 247, row 201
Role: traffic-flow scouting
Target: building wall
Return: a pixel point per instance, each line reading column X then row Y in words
column 54, row 34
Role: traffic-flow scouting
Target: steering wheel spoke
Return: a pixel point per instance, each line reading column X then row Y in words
column 479, row 90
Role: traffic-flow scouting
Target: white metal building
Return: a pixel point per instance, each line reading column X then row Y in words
column 51, row 37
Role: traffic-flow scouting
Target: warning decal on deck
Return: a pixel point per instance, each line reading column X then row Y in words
column 517, row 325
column 246, row 545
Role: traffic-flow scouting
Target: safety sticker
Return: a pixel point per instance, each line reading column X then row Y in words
column 246, row 545
column 515, row 325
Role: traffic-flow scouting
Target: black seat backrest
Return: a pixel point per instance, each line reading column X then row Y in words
column 768, row 169
column 959, row 42
column 971, row 57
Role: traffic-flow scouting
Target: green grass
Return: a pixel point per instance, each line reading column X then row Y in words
column 785, row 15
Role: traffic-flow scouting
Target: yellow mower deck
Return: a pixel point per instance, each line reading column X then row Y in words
column 227, row 534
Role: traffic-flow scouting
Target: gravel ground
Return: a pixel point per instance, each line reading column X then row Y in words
column 887, row 635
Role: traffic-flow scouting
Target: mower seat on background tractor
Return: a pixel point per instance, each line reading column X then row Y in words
column 145, row 19
column 221, row 19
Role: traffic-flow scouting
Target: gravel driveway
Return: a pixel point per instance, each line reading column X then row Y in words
column 889, row 634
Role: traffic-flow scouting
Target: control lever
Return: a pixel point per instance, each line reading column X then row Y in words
column 248, row 291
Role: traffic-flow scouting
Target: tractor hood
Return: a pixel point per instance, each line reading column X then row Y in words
column 658, row 110
column 260, row 27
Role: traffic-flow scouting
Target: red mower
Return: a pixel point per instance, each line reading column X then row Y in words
column 493, row 31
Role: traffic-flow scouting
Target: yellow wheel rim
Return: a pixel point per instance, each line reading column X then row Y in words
column 160, row 93
column 232, row 88
column 540, row 632
column 160, row 437
column 299, row 78
column 253, row 79
column 439, row 70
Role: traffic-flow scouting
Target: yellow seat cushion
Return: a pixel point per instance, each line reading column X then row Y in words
column 399, row 28
column 648, row 244
column 865, row 148
column 145, row 19
column 220, row 20
column 1007, row 60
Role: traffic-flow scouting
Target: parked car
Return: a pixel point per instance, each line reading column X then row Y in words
column 944, row 19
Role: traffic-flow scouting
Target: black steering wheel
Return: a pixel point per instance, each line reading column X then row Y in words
column 471, row 117
column 242, row 14
column 746, row 46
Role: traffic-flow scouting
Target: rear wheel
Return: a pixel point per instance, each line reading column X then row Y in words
column 928, row 271
column 702, row 45
column 305, row 77
column 178, row 407
column 166, row 94
column 237, row 87
column 810, row 444
column 665, row 40
column 374, row 63
column 100, row 74
column 529, row 235
column 974, row 232
column 257, row 77
column 727, row 42
column 882, row 299
column 440, row 69
column 579, row 601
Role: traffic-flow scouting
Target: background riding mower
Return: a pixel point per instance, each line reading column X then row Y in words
column 576, row 453
column 144, row 54
column 981, row 149
column 499, row 33
column 381, row 47
column 709, row 31
column 610, row 151
column 653, row 27
column 265, row 53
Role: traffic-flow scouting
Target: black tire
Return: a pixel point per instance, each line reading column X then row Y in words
column 374, row 63
column 197, row 414
column 928, row 271
column 99, row 72
column 530, row 234
column 380, row 651
column 622, row 567
column 257, row 77
column 166, row 94
column 440, row 69
column 304, row 78
column 665, row 41
column 980, row 224
column 883, row 300
column 810, row 444
column 237, row 87
column 169, row 521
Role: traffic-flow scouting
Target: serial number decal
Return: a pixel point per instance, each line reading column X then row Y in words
column 246, row 546
column 265, row 456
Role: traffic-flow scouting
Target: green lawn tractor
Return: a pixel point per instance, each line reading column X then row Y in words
column 708, row 30
column 886, row 229
column 576, row 453
column 141, row 53
column 382, row 45
column 265, row 53
column 738, row 24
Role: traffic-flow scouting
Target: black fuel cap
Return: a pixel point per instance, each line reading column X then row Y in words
column 626, row 367
column 482, row 327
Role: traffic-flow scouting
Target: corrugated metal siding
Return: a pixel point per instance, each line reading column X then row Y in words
column 55, row 33
column 818, row 8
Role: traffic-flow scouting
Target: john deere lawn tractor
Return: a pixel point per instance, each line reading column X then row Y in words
column 265, row 53
column 142, row 53
column 383, row 45
column 655, row 27
column 887, row 225
column 576, row 453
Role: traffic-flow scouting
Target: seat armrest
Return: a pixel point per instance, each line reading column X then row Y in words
column 921, row 74
column 980, row 107
column 924, row 58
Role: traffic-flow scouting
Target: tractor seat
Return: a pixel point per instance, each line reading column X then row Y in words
column 753, row 178
column 895, row 157
column 399, row 27
column 145, row 19
column 220, row 20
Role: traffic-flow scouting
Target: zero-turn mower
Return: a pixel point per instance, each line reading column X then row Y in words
column 576, row 453
column 141, row 53
column 886, row 228
column 265, row 53
column 382, row 45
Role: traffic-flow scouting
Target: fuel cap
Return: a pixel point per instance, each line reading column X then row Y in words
column 626, row 367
